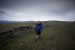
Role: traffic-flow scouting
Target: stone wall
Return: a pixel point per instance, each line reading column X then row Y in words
column 16, row 32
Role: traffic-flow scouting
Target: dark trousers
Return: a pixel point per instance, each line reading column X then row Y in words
column 38, row 32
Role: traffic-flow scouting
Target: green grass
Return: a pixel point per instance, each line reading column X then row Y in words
column 59, row 37
column 4, row 27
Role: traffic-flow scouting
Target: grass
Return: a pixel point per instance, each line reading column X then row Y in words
column 59, row 37
column 4, row 27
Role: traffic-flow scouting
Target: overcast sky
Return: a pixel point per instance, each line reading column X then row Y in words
column 43, row 10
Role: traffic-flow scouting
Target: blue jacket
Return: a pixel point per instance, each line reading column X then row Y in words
column 38, row 27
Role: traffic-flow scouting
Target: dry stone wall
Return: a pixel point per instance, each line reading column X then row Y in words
column 16, row 32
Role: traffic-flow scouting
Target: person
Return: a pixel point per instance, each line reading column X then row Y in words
column 38, row 29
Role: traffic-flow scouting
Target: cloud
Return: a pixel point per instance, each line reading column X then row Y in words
column 22, row 10
column 2, row 12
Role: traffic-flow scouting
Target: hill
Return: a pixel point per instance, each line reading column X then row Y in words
column 57, row 36
column 9, row 22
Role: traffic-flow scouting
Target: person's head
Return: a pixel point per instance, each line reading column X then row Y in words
column 38, row 22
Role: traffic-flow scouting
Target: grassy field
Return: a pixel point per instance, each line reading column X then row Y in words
column 57, row 36
column 4, row 27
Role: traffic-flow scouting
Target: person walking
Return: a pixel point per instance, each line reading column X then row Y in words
column 38, row 30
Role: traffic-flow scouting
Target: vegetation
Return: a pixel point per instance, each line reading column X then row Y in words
column 57, row 36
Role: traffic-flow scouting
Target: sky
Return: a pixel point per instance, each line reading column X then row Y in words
column 35, row 10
